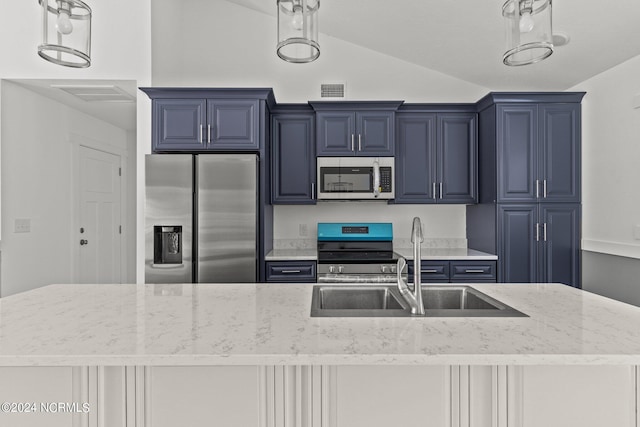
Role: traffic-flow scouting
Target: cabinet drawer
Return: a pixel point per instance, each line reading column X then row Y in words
column 291, row 271
column 473, row 270
column 432, row 271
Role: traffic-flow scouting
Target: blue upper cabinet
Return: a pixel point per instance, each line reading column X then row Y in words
column 355, row 128
column 178, row 124
column 201, row 120
column 538, row 148
column 457, row 158
column 436, row 157
column 293, row 158
column 416, row 158
column 232, row 124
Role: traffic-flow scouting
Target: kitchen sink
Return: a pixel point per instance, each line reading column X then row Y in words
column 386, row 301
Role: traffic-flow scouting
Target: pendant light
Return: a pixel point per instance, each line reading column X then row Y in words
column 529, row 38
column 298, row 30
column 66, row 33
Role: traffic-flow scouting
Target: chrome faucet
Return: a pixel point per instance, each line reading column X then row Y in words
column 414, row 299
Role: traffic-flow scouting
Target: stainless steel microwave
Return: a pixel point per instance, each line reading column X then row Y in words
column 355, row 178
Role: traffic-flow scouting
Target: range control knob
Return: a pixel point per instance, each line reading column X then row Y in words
column 394, row 269
column 384, row 268
column 340, row 268
column 332, row 269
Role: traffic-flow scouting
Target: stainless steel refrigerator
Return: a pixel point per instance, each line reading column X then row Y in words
column 201, row 218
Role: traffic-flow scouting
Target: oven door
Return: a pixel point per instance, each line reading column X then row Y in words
column 355, row 178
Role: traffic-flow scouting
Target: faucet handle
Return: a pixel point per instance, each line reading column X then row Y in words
column 402, row 263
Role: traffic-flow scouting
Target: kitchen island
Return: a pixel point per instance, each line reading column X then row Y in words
column 250, row 354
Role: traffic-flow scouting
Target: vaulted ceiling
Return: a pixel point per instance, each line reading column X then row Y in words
column 466, row 38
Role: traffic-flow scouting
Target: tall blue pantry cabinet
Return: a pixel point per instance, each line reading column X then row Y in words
column 529, row 208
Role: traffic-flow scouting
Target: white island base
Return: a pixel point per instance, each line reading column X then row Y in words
column 322, row 396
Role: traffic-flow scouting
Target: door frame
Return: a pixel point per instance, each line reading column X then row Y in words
column 76, row 142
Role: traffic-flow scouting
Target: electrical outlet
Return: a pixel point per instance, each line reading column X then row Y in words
column 303, row 231
column 636, row 232
column 22, row 225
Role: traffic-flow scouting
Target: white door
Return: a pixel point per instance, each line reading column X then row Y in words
column 99, row 233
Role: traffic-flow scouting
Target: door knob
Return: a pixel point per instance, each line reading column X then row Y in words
column 84, row 242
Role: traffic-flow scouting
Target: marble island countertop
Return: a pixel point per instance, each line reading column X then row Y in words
column 270, row 324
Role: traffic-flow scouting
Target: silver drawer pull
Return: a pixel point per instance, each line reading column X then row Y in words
column 474, row 271
column 430, row 271
column 290, row 271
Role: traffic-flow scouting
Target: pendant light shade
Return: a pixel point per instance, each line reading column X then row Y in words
column 298, row 30
column 528, row 24
column 66, row 33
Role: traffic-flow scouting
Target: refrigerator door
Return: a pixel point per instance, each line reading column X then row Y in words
column 227, row 201
column 169, row 218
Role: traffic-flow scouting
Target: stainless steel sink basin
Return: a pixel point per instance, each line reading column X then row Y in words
column 386, row 301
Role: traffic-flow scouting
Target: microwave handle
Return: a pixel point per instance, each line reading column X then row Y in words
column 376, row 178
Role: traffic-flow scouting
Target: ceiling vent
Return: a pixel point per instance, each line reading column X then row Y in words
column 332, row 90
column 97, row 93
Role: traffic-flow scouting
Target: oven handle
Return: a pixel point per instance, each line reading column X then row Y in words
column 356, row 279
column 376, row 178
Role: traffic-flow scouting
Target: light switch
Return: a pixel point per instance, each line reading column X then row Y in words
column 22, row 225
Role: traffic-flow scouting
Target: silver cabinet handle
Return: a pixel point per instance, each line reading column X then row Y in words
column 313, row 190
column 544, row 189
column 435, row 195
column 474, row 271
column 359, row 142
column 208, row 134
column 537, row 188
column 353, row 142
column 537, row 232
column 441, row 190
column 544, row 231
column 290, row 271
column 429, row 271
column 200, row 137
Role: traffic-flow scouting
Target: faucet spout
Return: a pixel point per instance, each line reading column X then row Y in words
column 414, row 299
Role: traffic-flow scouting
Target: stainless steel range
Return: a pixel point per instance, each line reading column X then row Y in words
column 356, row 253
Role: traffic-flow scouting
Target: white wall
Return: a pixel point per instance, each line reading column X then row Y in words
column 610, row 178
column 216, row 43
column 121, row 50
column 610, row 160
column 37, row 169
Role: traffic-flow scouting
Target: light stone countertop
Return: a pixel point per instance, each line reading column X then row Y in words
column 269, row 324
column 443, row 254
column 435, row 254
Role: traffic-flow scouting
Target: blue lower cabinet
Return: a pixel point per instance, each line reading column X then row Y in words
column 455, row 271
column 291, row 271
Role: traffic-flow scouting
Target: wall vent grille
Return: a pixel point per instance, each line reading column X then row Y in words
column 332, row 90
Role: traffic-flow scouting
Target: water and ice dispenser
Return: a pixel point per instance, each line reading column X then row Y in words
column 167, row 244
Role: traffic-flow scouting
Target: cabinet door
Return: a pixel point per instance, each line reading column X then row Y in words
column 178, row 124
column 336, row 133
column 457, row 158
column 203, row 396
column 416, row 158
column 561, row 243
column 517, row 245
column 517, row 152
column 234, row 124
column 383, row 396
column 293, row 154
column 559, row 152
column 375, row 133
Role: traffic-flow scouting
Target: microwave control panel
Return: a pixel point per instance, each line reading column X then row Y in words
column 385, row 179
